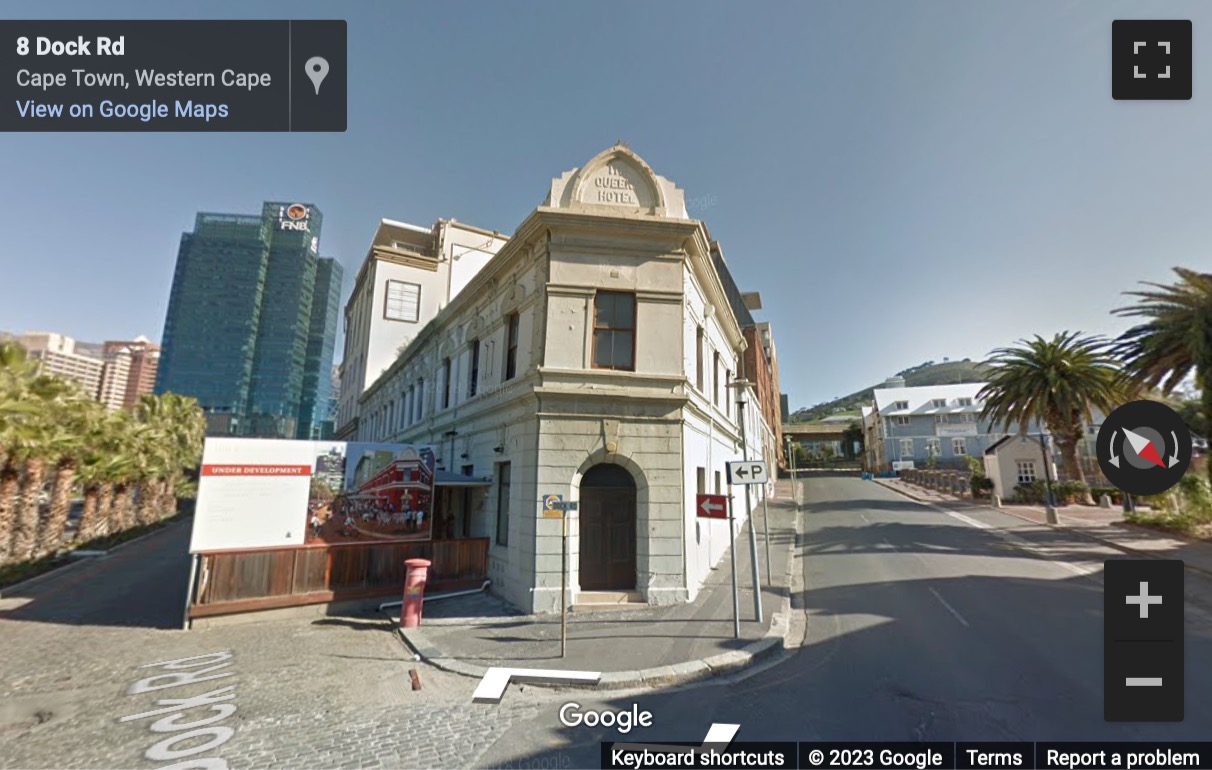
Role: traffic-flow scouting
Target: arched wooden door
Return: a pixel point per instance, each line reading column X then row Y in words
column 607, row 514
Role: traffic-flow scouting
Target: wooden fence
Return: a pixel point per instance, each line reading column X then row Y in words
column 244, row 581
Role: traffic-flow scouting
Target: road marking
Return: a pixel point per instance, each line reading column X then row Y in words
column 950, row 609
column 966, row 519
column 167, row 750
column 1015, row 540
column 719, row 735
column 890, row 545
column 492, row 686
column 865, row 519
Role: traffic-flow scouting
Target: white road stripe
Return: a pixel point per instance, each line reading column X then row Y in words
column 950, row 609
column 1018, row 542
column 966, row 519
column 865, row 519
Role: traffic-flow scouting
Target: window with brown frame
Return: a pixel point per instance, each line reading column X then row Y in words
column 614, row 330
column 403, row 301
column 511, row 347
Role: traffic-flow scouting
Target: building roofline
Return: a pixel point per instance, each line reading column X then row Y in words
column 544, row 217
column 405, row 225
column 473, row 228
column 993, row 447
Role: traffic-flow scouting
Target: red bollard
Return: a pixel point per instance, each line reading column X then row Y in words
column 414, row 592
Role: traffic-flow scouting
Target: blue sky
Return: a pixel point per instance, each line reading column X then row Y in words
column 900, row 181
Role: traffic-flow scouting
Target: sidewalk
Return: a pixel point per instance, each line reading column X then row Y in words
column 1106, row 525
column 642, row 647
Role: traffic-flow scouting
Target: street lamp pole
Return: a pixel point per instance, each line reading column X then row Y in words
column 795, row 488
column 740, row 386
column 1049, row 502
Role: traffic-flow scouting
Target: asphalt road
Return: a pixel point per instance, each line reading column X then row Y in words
column 923, row 624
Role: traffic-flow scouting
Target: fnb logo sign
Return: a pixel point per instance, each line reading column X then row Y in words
column 293, row 217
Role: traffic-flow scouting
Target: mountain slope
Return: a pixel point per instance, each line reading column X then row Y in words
column 929, row 373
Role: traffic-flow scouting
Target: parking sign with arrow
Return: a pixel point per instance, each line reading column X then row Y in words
column 748, row 472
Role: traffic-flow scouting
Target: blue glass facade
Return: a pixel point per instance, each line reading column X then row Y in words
column 238, row 335
column 321, row 341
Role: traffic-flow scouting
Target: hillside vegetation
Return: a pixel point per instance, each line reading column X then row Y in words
column 929, row 373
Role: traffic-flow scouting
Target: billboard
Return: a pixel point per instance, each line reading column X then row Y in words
column 270, row 493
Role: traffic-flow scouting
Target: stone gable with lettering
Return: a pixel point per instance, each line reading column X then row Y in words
column 617, row 182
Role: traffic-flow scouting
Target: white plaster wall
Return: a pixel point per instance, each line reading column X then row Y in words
column 387, row 336
column 466, row 253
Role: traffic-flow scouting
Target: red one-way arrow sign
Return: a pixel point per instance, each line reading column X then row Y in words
column 711, row 506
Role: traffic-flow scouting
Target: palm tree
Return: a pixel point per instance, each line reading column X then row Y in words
column 151, row 465
column 1175, row 338
column 103, row 462
column 179, row 427
column 16, row 409
column 37, row 447
column 78, row 422
column 1056, row 382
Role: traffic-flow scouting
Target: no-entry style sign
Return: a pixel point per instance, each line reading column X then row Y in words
column 711, row 506
column 748, row 472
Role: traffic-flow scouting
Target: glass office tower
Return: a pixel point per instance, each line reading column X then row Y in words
column 239, row 325
column 321, row 341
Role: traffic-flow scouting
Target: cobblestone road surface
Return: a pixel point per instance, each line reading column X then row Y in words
column 331, row 692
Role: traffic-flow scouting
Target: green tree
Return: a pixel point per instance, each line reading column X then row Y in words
column 153, row 459
column 1192, row 412
column 77, row 421
column 1174, row 339
column 1057, row 383
column 187, row 431
column 17, row 409
column 102, row 463
column 38, row 445
column 850, row 437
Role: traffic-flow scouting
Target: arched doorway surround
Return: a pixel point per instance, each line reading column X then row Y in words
column 607, row 547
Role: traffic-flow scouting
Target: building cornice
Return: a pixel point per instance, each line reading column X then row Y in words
column 404, row 258
column 456, row 224
column 621, row 394
column 541, row 221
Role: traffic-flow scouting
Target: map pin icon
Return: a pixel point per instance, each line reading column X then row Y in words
column 317, row 69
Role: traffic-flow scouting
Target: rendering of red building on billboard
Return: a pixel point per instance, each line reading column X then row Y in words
column 363, row 492
column 404, row 483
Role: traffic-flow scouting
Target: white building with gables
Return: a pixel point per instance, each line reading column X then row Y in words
column 590, row 357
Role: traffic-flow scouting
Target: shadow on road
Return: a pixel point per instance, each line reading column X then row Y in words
column 141, row 584
column 887, row 661
column 918, row 629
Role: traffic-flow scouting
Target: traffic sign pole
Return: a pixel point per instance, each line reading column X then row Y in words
column 736, row 598
column 766, row 534
column 753, row 552
column 564, row 586
column 556, row 506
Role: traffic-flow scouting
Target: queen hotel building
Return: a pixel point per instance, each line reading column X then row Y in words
column 589, row 355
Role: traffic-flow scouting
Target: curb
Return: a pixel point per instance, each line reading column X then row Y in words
column 774, row 641
column 1075, row 530
column 66, row 567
